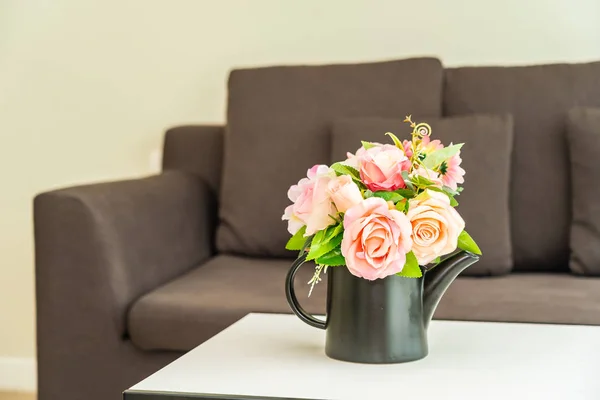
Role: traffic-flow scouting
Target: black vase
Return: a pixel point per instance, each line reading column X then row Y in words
column 381, row 321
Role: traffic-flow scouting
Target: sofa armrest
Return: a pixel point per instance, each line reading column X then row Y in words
column 99, row 247
column 197, row 149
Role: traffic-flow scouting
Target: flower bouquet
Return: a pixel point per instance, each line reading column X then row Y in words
column 387, row 209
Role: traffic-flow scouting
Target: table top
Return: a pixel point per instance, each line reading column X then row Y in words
column 267, row 356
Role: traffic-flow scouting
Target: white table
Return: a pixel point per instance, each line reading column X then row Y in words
column 279, row 357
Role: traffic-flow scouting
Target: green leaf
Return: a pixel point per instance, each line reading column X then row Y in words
column 437, row 260
column 466, row 242
column 419, row 180
column 407, row 194
column 388, row 196
column 450, row 191
column 407, row 180
column 411, row 268
column 367, row 145
column 296, row 242
column 332, row 231
column 397, row 141
column 453, row 201
column 306, row 246
column 368, row 194
column 354, row 172
column 439, row 156
column 437, row 189
column 342, row 169
column 402, row 206
column 324, row 241
column 332, row 259
column 320, row 249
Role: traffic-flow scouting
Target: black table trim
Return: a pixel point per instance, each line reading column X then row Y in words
column 146, row 395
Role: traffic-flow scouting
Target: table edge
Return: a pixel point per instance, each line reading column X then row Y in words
column 436, row 319
column 158, row 395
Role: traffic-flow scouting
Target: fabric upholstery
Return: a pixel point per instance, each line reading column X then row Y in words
column 277, row 128
column 583, row 133
column 197, row 149
column 200, row 304
column 486, row 158
column 189, row 310
column 98, row 248
column 538, row 97
column 557, row 298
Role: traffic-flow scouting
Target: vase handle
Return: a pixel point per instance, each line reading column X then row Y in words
column 290, row 294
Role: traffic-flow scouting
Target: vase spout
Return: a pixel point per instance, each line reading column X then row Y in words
column 438, row 279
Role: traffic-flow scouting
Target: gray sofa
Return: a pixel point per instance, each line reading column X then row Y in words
column 131, row 274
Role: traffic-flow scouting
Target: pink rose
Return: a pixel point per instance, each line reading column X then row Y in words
column 344, row 192
column 376, row 239
column 294, row 222
column 312, row 203
column 381, row 167
column 353, row 160
column 435, row 226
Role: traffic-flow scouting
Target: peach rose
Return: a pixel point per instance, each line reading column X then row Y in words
column 344, row 192
column 312, row 203
column 376, row 239
column 435, row 226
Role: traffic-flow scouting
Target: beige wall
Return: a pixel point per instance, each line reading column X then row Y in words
column 87, row 87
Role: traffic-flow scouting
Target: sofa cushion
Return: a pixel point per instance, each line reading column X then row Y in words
column 277, row 128
column 557, row 298
column 189, row 310
column 538, row 97
column 583, row 134
column 486, row 158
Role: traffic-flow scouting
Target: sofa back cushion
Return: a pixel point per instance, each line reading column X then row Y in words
column 278, row 127
column 539, row 98
column 486, row 157
column 583, row 134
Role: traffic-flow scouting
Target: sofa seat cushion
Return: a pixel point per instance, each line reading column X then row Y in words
column 523, row 297
column 486, row 157
column 278, row 127
column 192, row 308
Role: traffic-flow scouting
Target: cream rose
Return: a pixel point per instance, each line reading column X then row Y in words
column 344, row 193
column 435, row 226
